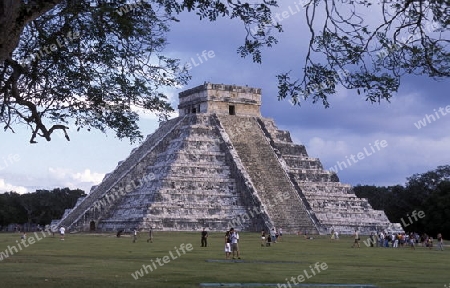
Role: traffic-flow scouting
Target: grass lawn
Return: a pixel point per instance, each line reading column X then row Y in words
column 90, row 260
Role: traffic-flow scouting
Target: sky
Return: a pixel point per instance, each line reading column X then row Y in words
column 369, row 144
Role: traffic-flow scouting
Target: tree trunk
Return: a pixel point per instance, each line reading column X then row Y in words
column 14, row 15
column 9, row 31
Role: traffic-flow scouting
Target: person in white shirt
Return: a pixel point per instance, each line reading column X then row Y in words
column 272, row 235
column 62, row 232
column 235, row 243
column 135, row 233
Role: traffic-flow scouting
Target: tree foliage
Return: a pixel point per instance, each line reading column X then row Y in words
column 428, row 192
column 11, row 210
column 40, row 207
column 94, row 62
column 437, row 211
column 367, row 46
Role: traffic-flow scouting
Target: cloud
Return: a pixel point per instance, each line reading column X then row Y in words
column 400, row 157
column 88, row 176
column 68, row 178
column 6, row 187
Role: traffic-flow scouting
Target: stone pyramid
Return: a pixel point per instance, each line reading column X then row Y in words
column 220, row 165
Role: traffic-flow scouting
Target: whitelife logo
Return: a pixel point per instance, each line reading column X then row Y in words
column 432, row 117
column 161, row 261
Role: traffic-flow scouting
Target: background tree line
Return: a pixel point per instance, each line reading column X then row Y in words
column 40, row 207
column 428, row 192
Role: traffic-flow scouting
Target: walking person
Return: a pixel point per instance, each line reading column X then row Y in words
column 412, row 241
column 150, row 235
column 280, row 234
column 440, row 242
column 356, row 237
column 272, row 235
column 62, row 232
column 204, row 239
column 395, row 245
column 263, row 238
column 135, row 233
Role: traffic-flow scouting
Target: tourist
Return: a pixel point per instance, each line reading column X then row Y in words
column 150, row 235
column 393, row 238
column 62, row 232
column 381, row 239
column 395, row 244
column 440, row 242
column 387, row 238
column 334, row 234
column 234, row 243
column 263, row 238
column 227, row 245
column 356, row 237
column 269, row 240
column 422, row 239
column 430, row 242
column 412, row 241
column 135, row 233
column 272, row 235
column 204, row 238
column 372, row 239
column 402, row 239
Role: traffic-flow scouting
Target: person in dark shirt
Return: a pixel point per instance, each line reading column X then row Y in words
column 204, row 238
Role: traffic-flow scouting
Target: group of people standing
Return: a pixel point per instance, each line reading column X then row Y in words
column 136, row 232
column 396, row 240
column 231, row 243
column 273, row 236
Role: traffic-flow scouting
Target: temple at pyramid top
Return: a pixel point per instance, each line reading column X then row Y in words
column 221, row 99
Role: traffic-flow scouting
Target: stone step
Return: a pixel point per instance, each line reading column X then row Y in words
column 266, row 173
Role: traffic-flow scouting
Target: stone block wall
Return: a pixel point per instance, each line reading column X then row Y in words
column 217, row 98
column 193, row 187
column 85, row 209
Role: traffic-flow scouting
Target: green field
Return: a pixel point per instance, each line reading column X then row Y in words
column 90, row 260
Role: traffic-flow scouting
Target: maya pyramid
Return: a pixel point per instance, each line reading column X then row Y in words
column 220, row 164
